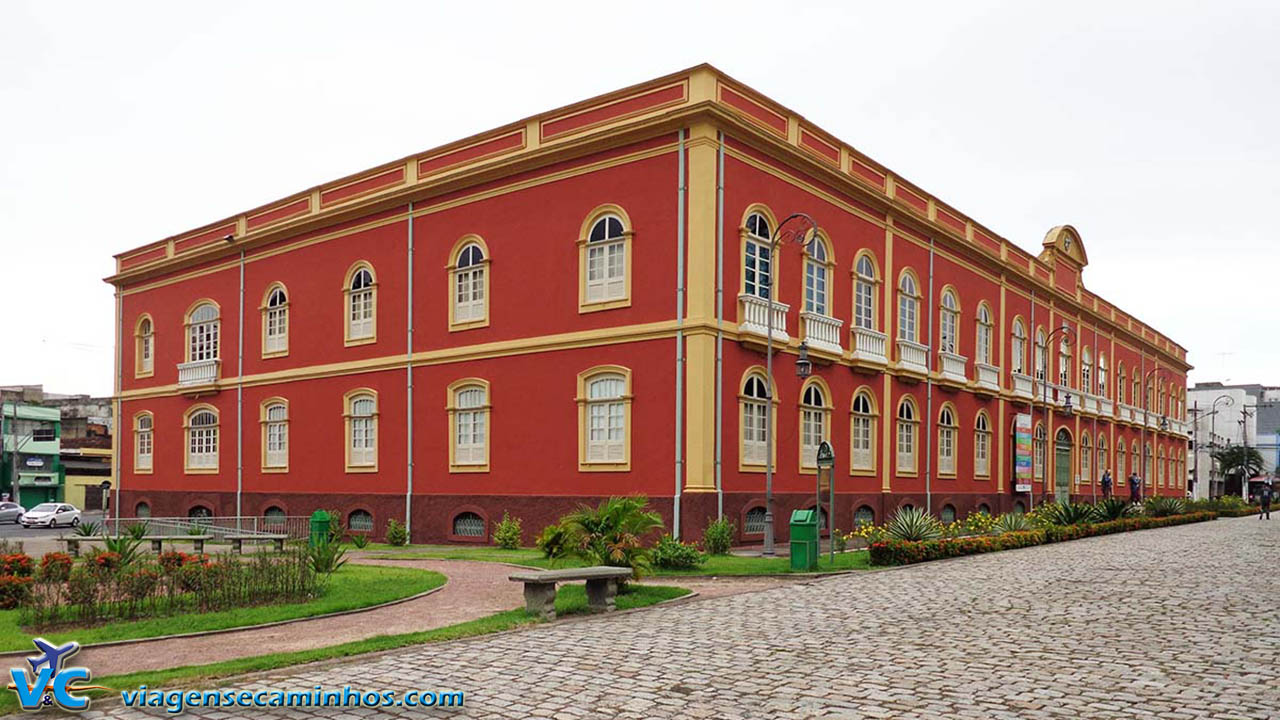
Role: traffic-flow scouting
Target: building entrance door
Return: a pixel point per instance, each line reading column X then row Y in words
column 1062, row 466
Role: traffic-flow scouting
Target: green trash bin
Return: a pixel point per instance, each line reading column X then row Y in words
column 319, row 528
column 804, row 540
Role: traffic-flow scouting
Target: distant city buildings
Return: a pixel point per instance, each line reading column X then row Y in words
column 1222, row 415
column 63, row 446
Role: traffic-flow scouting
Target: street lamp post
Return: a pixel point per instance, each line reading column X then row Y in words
column 1146, row 414
column 1213, row 443
column 802, row 366
column 1068, row 339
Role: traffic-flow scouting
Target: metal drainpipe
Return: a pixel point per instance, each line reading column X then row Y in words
column 720, row 327
column 928, row 423
column 680, row 361
column 408, row 371
column 240, row 400
column 115, row 428
column 1031, row 404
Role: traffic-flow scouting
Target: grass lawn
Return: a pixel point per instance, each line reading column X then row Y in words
column 715, row 564
column 570, row 600
column 351, row 587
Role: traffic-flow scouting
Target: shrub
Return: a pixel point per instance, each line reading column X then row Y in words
column 672, row 554
column 612, row 533
column 839, row 540
column 1163, row 506
column 55, row 567
column 82, row 586
column 124, row 546
column 140, row 583
column 396, row 534
column 913, row 524
column 86, row 529
column 14, row 591
column 170, row 562
column 337, row 530
column 955, row 528
column 19, row 564
column 868, row 532
column 1011, row 522
column 326, row 557
column 1062, row 514
column 718, row 537
column 137, row 531
column 360, row 540
column 197, row 529
column 554, row 542
column 104, row 562
column 1111, row 509
column 979, row 523
column 507, row 534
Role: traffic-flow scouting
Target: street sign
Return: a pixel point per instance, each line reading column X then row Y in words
column 826, row 456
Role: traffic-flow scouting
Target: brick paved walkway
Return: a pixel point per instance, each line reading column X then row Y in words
column 1174, row 623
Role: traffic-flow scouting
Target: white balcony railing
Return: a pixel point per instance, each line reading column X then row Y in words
column 988, row 376
column 755, row 317
column 1129, row 413
column 1021, row 385
column 912, row 357
column 822, row 332
column 1106, row 407
column 200, row 372
column 870, row 346
column 953, row 367
column 1088, row 404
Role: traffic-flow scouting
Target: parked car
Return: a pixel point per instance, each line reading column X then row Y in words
column 51, row 515
column 10, row 512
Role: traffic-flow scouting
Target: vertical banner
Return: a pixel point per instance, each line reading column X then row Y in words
column 1022, row 452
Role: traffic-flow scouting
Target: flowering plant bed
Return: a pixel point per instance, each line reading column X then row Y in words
column 901, row 552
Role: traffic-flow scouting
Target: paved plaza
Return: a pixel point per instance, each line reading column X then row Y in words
column 1174, row 623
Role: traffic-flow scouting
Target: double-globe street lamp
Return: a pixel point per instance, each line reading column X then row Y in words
column 1068, row 338
column 806, row 227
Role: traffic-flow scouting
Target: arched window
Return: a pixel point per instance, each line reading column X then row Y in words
column 981, row 445
column 1038, row 451
column 754, row 403
column 361, row 419
column 948, row 514
column 815, row 277
column 862, row 431
column 864, row 293
column 753, row 521
column 947, row 440
column 202, row 333
column 1102, row 374
column 468, row 524
column 1146, row 466
column 908, row 427
column 604, row 420
column 360, row 521
column 199, row 512
column 362, row 305
column 814, row 422
column 949, row 323
column 273, row 516
column 1041, row 368
column 1019, row 508
column 863, row 516
column 757, row 258
column 1160, row 468
column 142, row 510
column 1104, row 461
column 605, row 260
column 1134, row 466
column 1064, row 361
column 143, row 442
column 1120, row 383
column 1019, row 347
column 984, row 509
column 469, row 408
column 470, row 283
column 982, row 350
column 908, row 307
column 144, row 347
column 1120, row 462
column 1086, row 371
column 202, row 439
column 275, row 435
column 275, row 322
column 1086, row 460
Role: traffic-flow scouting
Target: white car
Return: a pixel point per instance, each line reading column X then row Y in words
column 51, row 515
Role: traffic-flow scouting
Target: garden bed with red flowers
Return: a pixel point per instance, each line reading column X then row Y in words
column 903, row 552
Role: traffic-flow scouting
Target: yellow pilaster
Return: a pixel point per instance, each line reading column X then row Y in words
column 700, row 279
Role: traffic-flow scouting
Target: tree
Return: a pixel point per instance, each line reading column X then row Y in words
column 1235, row 459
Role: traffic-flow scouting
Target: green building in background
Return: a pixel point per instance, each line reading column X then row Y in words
column 32, row 450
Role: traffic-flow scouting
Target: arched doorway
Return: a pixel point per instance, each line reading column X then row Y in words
column 1062, row 466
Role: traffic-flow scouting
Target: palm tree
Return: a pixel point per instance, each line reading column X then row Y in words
column 614, row 532
column 1237, row 459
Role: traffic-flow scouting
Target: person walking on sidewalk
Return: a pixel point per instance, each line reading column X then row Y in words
column 1106, row 484
column 1135, row 487
column 1264, row 500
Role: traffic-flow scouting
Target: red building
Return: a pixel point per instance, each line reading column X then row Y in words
column 574, row 306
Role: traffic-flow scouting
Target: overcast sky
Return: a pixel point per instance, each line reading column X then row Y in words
column 1151, row 127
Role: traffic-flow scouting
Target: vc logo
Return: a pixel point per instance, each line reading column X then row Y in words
column 49, row 682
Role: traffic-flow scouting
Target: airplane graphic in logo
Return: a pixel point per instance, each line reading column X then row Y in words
column 53, row 656
column 49, row 682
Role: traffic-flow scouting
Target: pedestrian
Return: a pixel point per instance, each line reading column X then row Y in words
column 1135, row 487
column 1264, row 500
column 1106, row 484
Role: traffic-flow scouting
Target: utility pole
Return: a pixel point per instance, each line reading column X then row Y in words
column 1244, row 456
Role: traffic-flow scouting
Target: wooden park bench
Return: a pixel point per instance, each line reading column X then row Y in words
column 540, row 587
column 277, row 540
column 73, row 542
column 157, row 541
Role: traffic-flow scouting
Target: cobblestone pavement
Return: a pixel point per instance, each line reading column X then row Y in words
column 1173, row 623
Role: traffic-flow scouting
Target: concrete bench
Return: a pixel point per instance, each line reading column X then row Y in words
column 277, row 540
column 158, row 541
column 540, row 587
column 73, row 542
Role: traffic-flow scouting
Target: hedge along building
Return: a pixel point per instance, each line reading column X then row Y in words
column 573, row 306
